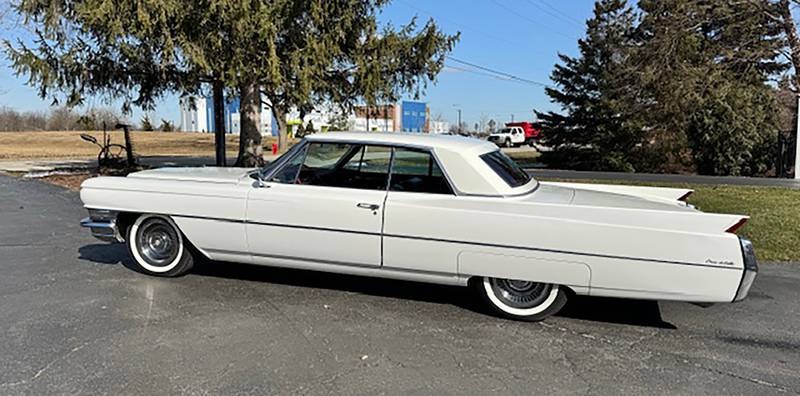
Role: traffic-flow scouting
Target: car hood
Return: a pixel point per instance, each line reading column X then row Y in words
column 547, row 193
column 204, row 174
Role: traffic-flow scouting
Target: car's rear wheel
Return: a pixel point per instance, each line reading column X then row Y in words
column 521, row 300
column 158, row 247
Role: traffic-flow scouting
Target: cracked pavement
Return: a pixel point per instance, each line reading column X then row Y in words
column 75, row 319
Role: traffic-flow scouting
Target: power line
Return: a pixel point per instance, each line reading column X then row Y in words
column 478, row 72
column 490, row 75
column 464, row 27
column 531, row 20
column 558, row 13
column 497, row 73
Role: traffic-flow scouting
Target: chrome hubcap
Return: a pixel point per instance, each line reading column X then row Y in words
column 158, row 242
column 519, row 293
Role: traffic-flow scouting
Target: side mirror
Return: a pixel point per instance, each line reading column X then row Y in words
column 258, row 182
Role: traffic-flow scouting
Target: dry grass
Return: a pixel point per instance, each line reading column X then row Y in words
column 72, row 182
column 43, row 145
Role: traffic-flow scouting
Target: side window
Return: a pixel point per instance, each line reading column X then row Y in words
column 346, row 165
column 506, row 168
column 370, row 159
column 417, row 171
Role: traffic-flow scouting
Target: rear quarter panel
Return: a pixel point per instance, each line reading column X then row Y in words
column 601, row 251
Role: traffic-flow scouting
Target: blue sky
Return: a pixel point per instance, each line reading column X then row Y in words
column 520, row 37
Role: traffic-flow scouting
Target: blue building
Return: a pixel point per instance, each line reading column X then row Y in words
column 415, row 116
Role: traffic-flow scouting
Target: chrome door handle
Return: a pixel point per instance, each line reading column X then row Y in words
column 368, row 206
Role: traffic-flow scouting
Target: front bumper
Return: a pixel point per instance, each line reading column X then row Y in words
column 103, row 225
column 750, row 269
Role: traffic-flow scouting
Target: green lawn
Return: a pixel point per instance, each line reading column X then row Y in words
column 524, row 157
column 774, row 225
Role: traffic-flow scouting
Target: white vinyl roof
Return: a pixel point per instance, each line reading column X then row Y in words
column 449, row 142
column 459, row 157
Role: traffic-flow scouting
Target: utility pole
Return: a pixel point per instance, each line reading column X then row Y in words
column 512, row 117
column 458, row 108
column 797, row 142
column 218, row 98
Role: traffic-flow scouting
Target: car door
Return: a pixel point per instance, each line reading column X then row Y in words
column 517, row 135
column 325, row 205
column 419, row 207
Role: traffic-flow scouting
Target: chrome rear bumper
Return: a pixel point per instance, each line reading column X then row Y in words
column 105, row 230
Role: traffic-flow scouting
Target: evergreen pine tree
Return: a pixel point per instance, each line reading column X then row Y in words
column 702, row 70
column 595, row 130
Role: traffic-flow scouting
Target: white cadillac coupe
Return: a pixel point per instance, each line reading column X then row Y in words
column 439, row 209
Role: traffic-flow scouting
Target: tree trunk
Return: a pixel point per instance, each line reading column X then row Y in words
column 790, row 29
column 283, row 128
column 250, row 150
column 131, row 161
column 219, row 122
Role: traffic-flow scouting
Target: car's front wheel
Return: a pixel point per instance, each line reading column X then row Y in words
column 521, row 300
column 157, row 246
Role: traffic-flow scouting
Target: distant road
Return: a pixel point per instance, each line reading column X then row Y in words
column 662, row 178
column 44, row 165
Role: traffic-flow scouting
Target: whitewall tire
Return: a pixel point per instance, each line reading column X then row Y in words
column 158, row 247
column 521, row 300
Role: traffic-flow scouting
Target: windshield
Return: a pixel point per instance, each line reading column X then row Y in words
column 506, row 168
column 266, row 169
column 505, row 130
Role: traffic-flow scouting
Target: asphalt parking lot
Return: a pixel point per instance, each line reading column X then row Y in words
column 76, row 320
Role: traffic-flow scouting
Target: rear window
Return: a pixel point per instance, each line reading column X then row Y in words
column 506, row 168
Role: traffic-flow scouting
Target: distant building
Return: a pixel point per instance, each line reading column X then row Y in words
column 379, row 118
column 320, row 117
column 197, row 115
column 407, row 116
column 415, row 117
column 439, row 127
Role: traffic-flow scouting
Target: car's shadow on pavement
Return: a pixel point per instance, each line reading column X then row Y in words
column 106, row 253
column 597, row 309
column 616, row 310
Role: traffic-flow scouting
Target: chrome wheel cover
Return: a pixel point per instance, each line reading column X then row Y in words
column 520, row 294
column 158, row 242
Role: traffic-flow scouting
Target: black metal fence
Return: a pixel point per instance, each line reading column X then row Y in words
column 787, row 144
